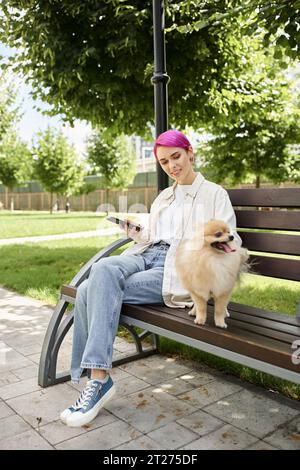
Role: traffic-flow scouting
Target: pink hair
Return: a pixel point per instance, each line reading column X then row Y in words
column 171, row 138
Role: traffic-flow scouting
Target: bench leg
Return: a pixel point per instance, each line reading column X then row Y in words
column 140, row 351
column 59, row 326
column 57, row 329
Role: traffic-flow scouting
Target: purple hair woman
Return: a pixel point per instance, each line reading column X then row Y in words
column 144, row 273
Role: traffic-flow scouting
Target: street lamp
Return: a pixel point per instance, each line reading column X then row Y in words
column 160, row 81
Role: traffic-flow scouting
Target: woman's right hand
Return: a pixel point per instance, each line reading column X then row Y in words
column 131, row 232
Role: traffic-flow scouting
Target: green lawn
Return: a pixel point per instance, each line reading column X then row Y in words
column 28, row 224
column 39, row 270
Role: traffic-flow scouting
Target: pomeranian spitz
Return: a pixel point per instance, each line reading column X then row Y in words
column 208, row 265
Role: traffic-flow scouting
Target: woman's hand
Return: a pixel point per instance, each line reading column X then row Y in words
column 131, row 232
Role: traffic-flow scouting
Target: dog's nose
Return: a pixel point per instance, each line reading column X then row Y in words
column 231, row 237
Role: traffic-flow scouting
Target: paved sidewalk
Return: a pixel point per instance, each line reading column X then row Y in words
column 161, row 403
column 41, row 238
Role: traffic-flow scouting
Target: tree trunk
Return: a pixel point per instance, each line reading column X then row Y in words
column 12, row 202
column 51, row 203
column 6, row 197
column 106, row 199
column 257, row 181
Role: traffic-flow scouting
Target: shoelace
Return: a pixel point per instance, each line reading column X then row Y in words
column 85, row 395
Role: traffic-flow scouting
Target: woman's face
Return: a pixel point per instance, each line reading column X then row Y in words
column 176, row 162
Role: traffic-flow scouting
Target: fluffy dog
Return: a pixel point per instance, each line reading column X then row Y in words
column 208, row 265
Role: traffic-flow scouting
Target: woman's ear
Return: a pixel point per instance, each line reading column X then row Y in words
column 191, row 153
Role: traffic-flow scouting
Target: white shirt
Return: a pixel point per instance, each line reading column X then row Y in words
column 171, row 218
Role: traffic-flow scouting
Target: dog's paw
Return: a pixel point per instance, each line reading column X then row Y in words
column 220, row 324
column 192, row 312
column 227, row 313
column 199, row 321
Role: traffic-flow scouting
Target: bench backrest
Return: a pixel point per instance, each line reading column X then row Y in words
column 258, row 213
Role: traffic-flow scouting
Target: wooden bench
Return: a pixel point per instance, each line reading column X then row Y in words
column 255, row 337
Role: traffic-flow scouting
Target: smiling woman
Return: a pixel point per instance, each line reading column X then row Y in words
column 175, row 154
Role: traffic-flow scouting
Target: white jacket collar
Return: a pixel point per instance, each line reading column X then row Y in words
column 169, row 192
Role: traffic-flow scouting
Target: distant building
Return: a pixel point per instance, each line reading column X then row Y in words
column 145, row 160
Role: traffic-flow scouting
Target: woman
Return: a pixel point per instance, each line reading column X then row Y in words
column 144, row 273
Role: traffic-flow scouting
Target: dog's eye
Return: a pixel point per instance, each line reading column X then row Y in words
column 218, row 234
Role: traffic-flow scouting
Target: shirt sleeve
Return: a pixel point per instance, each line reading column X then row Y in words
column 224, row 211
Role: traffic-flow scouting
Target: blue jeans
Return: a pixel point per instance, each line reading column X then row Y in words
column 133, row 279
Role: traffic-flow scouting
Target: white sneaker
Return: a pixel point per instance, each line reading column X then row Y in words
column 95, row 395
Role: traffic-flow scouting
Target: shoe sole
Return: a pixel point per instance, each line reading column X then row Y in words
column 90, row 415
column 64, row 419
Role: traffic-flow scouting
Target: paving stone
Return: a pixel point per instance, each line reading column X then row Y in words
column 8, row 377
column 5, row 411
column 252, row 412
column 105, row 437
column 125, row 347
column 225, row 438
column 28, row 440
column 172, row 436
column 118, row 374
column 130, row 385
column 141, row 443
column 185, row 382
column 11, row 359
column 201, row 423
column 210, row 392
column 12, row 426
column 35, row 358
column 57, row 431
column 63, row 362
column 28, row 349
column 28, row 372
column 287, row 436
column 261, row 445
column 147, row 410
column 156, row 370
column 15, row 340
column 20, row 388
column 45, row 405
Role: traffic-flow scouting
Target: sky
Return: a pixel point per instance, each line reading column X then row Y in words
column 34, row 121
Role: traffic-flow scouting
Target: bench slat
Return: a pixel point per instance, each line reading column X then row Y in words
column 273, row 220
column 282, row 197
column 282, row 268
column 263, row 326
column 281, row 318
column 271, row 242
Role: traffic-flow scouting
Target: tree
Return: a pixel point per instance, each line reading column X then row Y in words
column 56, row 164
column 255, row 139
column 9, row 111
column 94, row 60
column 112, row 159
column 279, row 20
column 15, row 162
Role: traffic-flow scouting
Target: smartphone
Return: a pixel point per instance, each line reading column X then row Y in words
column 122, row 223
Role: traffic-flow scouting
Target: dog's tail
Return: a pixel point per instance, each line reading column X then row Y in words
column 246, row 265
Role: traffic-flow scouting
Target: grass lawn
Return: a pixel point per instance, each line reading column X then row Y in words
column 33, row 223
column 39, row 271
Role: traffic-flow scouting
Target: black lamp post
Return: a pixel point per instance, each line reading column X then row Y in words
column 160, row 81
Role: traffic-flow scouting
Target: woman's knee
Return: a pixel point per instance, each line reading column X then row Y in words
column 106, row 263
column 81, row 293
